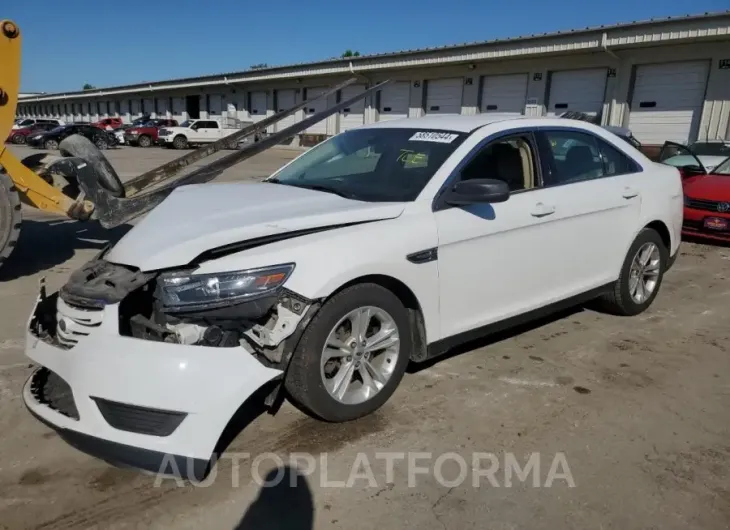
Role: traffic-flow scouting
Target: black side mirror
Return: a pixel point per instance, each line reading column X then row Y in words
column 477, row 191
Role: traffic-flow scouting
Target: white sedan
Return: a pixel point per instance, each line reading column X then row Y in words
column 384, row 245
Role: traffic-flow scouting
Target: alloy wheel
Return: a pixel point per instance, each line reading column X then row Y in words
column 644, row 272
column 360, row 355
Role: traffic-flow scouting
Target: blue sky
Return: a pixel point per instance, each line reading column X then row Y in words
column 67, row 44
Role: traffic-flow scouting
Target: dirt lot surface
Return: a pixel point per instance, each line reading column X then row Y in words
column 632, row 416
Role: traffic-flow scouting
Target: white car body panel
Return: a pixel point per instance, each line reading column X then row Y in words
column 494, row 262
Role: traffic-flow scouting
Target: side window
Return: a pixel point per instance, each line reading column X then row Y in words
column 614, row 161
column 211, row 125
column 510, row 159
column 569, row 156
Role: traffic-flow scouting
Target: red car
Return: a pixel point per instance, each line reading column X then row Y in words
column 706, row 194
column 108, row 123
column 19, row 136
column 145, row 135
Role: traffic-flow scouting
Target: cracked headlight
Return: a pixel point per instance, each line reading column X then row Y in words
column 180, row 291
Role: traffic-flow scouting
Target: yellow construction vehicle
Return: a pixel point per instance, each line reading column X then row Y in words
column 82, row 184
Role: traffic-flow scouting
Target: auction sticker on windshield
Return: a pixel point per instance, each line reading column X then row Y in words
column 439, row 137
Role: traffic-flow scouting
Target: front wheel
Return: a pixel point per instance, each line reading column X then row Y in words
column 641, row 276
column 144, row 141
column 352, row 356
column 18, row 139
column 180, row 142
column 101, row 143
column 51, row 145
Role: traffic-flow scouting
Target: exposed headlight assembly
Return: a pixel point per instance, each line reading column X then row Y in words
column 183, row 291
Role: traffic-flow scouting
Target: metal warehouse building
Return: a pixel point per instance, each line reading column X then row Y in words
column 665, row 79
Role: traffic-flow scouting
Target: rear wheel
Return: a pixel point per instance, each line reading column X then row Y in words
column 18, row 139
column 641, row 276
column 144, row 141
column 51, row 145
column 101, row 143
column 10, row 216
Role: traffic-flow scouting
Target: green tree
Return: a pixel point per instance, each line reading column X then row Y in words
column 258, row 66
column 87, row 86
column 350, row 53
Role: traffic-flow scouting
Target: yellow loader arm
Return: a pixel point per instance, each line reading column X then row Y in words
column 33, row 189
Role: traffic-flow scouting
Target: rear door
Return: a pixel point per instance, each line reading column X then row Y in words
column 594, row 190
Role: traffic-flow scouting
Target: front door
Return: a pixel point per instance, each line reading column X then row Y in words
column 492, row 257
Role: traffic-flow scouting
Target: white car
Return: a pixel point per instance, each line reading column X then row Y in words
column 384, row 245
column 193, row 132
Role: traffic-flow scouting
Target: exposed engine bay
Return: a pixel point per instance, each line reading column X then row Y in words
column 265, row 326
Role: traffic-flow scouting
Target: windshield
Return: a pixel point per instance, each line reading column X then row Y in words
column 722, row 169
column 378, row 165
column 710, row 149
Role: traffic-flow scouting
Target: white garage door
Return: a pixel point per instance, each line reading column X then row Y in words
column 443, row 96
column 395, row 99
column 258, row 106
column 577, row 90
column 286, row 99
column 215, row 105
column 314, row 107
column 504, row 95
column 354, row 115
column 667, row 101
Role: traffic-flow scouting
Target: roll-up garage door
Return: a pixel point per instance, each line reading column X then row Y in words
column 443, row 96
column 577, row 90
column 149, row 106
column 258, row 106
column 504, row 95
column 136, row 108
column 314, row 107
column 178, row 108
column 354, row 115
column 215, row 105
column 286, row 99
column 162, row 104
column 667, row 101
column 394, row 100
column 124, row 108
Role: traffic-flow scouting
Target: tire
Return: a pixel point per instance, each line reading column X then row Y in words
column 305, row 377
column 101, row 143
column 82, row 147
column 180, row 142
column 144, row 141
column 10, row 216
column 18, row 139
column 619, row 300
column 51, row 145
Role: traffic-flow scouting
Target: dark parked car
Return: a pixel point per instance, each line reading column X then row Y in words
column 50, row 140
column 18, row 136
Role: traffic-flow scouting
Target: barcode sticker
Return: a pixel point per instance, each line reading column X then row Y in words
column 438, row 137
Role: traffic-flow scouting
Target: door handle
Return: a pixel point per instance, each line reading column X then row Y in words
column 629, row 193
column 541, row 210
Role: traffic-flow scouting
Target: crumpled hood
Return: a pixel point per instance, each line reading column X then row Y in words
column 197, row 218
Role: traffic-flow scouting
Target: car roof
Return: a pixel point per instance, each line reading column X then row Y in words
column 468, row 123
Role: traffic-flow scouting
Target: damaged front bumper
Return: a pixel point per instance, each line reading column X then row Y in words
column 129, row 400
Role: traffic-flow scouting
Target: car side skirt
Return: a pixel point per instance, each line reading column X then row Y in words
column 442, row 346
